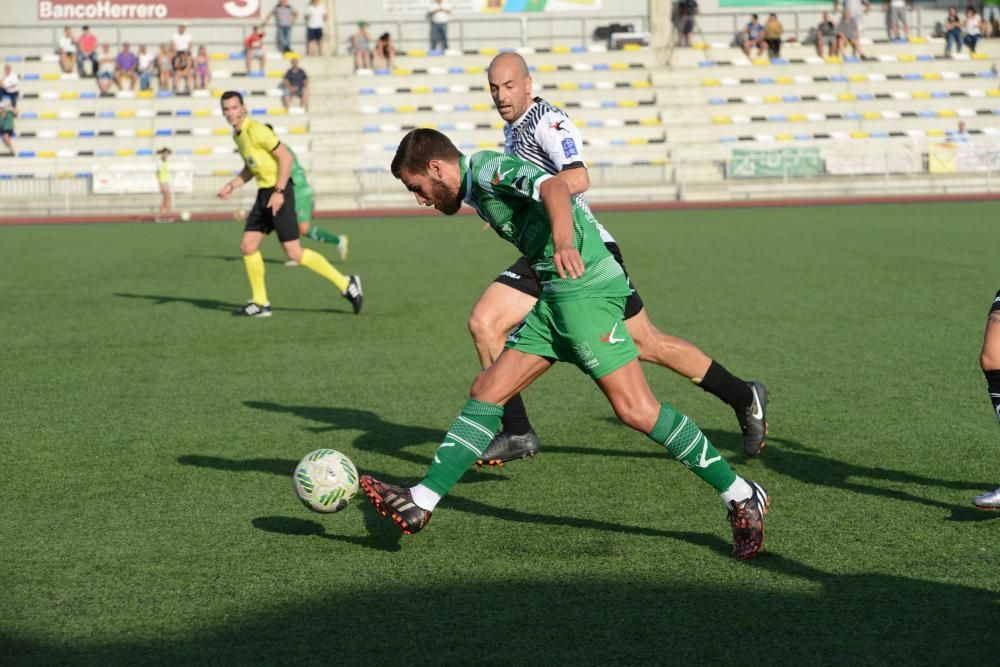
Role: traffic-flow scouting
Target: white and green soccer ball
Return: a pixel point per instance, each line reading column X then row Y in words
column 325, row 480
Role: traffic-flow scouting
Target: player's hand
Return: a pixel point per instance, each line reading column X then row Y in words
column 275, row 202
column 225, row 191
column 568, row 261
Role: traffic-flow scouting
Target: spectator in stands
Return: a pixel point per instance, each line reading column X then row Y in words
column 183, row 66
column 86, row 50
column 961, row 135
column 895, row 16
column 953, row 31
column 973, row 28
column 753, row 36
column 686, row 11
column 826, row 37
column 772, row 35
column 315, row 16
column 181, row 40
column 67, row 50
column 361, row 45
column 9, row 85
column 253, row 47
column 147, row 66
column 284, row 18
column 295, row 84
column 858, row 9
column 165, row 67
column 849, row 33
column 202, row 71
column 126, row 67
column 163, row 177
column 991, row 17
column 7, row 115
column 385, row 53
column 106, row 66
column 438, row 14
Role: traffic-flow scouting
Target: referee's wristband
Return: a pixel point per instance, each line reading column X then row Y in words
column 280, row 191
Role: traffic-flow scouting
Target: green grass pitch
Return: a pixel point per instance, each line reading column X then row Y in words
column 148, row 438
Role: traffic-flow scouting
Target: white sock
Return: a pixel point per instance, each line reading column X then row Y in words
column 426, row 499
column 737, row 491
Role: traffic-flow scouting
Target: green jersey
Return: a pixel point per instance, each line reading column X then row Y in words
column 7, row 121
column 298, row 175
column 505, row 191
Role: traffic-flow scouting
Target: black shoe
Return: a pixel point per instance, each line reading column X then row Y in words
column 353, row 293
column 253, row 310
column 504, row 448
column 753, row 421
column 747, row 520
column 395, row 502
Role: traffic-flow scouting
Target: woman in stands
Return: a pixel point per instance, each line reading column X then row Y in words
column 202, row 73
column 183, row 70
column 165, row 65
column 384, row 56
column 67, row 50
column 973, row 28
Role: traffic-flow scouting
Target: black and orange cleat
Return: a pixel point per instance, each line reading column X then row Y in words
column 397, row 503
column 747, row 519
column 504, row 448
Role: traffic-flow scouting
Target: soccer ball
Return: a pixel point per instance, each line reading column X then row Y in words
column 325, row 480
column 239, row 215
column 185, row 215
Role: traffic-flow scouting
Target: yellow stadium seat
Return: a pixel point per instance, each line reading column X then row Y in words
column 846, row 97
column 631, row 47
column 651, row 121
column 948, row 113
column 46, row 153
column 921, row 95
column 481, row 106
column 710, row 82
column 783, row 137
column 406, row 108
column 935, row 133
column 202, row 150
column 784, row 80
column 772, row 99
column 144, row 132
column 125, row 152
column 220, row 131
column 547, row 67
column 568, row 85
column 560, row 49
column 474, row 69
column 69, row 95
column 638, row 141
column 298, row 129
column 628, row 103
column 402, row 71
column 202, row 112
column 796, row 118
column 872, row 115
column 422, row 90
column 722, row 120
column 618, row 66
column 641, row 84
column 218, row 55
column 278, row 111
column 67, row 134
column 858, row 134
column 857, row 77
column 490, row 51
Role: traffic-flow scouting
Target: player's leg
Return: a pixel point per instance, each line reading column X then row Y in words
column 464, row 442
column 304, row 212
column 989, row 361
column 253, row 233
column 500, row 308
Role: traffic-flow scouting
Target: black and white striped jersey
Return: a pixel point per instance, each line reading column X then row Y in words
column 545, row 136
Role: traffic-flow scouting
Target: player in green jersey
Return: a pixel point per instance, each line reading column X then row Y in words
column 579, row 318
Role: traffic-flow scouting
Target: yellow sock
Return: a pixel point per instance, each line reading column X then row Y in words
column 316, row 262
column 255, row 272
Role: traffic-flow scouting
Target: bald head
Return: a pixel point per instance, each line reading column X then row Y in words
column 510, row 85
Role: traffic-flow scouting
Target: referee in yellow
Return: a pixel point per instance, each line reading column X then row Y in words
column 269, row 161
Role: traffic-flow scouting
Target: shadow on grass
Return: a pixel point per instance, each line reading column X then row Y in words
column 216, row 305
column 232, row 258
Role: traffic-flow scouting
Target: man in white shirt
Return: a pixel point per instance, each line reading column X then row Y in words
column 181, row 39
column 315, row 19
column 9, row 85
column 438, row 15
column 896, row 16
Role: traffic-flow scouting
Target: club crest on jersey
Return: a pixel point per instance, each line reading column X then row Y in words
column 558, row 126
column 251, row 163
column 569, row 147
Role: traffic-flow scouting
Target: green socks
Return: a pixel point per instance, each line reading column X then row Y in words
column 465, row 442
column 321, row 235
column 686, row 443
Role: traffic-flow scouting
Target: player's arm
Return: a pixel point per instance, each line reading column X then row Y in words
column 243, row 177
column 285, row 162
column 561, row 141
column 555, row 197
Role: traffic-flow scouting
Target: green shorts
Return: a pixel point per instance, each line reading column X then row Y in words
column 590, row 333
column 304, row 204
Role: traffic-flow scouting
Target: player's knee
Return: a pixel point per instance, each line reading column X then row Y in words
column 637, row 414
column 989, row 360
column 483, row 325
column 247, row 248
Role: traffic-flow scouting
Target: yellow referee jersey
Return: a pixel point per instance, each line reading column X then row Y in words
column 255, row 142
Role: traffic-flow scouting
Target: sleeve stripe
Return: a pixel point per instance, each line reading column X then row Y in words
column 536, row 192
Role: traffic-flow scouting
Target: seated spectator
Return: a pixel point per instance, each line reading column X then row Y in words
column 361, row 46
column 315, row 19
column 847, row 33
column 973, row 28
column 86, row 49
column 826, row 37
column 106, row 65
column 126, row 67
column 181, row 40
column 295, row 84
column 67, row 50
column 753, row 36
column 202, row 72
column 686, row 11
column 991, row 17
column 165, row 67
column 147, row 65
column 7, row 114
column 183, row 71
column 9, row 85
column 896, row 16
column 953, row 31
column 253, row 47
column 385, row 53
column 961, row 135
column 772, row 35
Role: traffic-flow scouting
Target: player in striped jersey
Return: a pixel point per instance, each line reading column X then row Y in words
column 544, row 135
column 989, row 360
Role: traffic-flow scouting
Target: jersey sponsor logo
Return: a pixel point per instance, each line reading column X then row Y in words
column 558, row 126
column 501, row 175
column 610, row 337
column 569, row 147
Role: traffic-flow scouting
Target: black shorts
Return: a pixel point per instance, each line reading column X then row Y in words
column 314, row 34
column 520, row 276
column 996, row 303
column 285, row 223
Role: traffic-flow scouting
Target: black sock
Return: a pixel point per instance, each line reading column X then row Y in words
column 993, row 384
column 515, row 418
column 726, row 386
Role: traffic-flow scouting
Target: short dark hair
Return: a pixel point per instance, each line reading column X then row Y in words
column 419, row 147
column 229, row 94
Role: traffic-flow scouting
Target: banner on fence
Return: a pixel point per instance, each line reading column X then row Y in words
column 420, row 7
column 141, row 178
column 962, row 156
column 862, row 158
column 146, row 10
column 790, row 162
